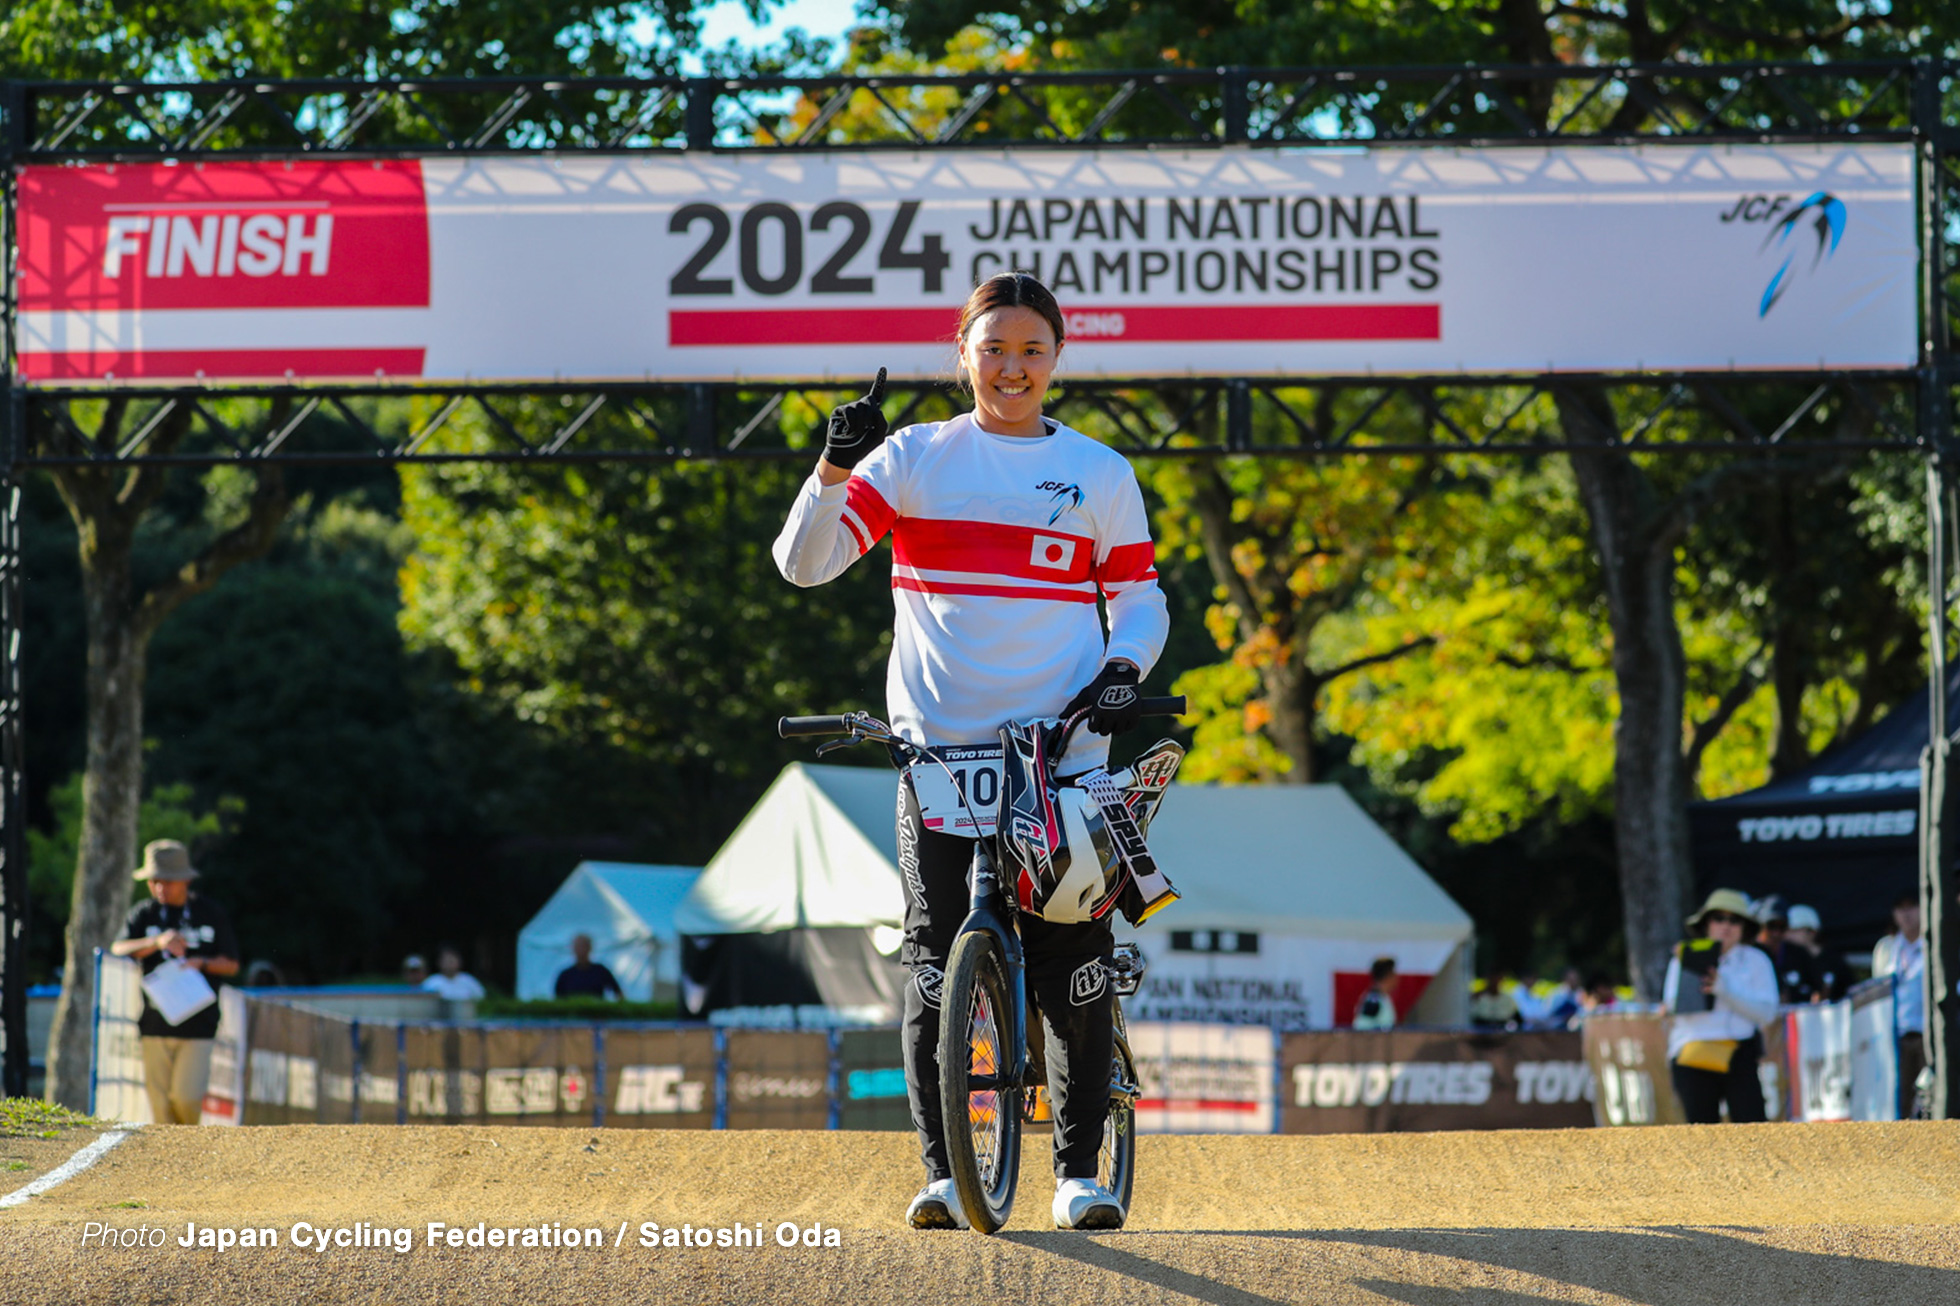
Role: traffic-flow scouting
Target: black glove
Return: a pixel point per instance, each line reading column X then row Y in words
column 857, row 428
column 1112, row 699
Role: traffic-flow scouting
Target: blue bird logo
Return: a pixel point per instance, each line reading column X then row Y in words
column 1826, row 213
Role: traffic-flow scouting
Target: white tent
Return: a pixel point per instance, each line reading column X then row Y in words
column 628, row 910
column 1289, row 893
column 801, row 907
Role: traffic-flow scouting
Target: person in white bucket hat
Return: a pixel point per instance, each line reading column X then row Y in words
column 177, row 923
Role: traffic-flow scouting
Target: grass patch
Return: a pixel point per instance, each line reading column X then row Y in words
column 30, row 1117
column 19, row 1165
column 133, row 1204
column 576, row 1009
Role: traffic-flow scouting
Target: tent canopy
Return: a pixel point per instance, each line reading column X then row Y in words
column 1293, row 859
column 819, row 850
column 628, row 910
column 1841, row 835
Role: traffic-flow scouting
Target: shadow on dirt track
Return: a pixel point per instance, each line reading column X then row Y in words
column 1679, row 1266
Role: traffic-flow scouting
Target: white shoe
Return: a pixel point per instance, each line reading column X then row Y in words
column 937, row 1207
column 1086, row 1204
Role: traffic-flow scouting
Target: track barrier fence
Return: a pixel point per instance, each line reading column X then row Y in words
column 280, row 1061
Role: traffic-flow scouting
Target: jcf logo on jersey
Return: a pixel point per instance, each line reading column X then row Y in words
column 1087, row 983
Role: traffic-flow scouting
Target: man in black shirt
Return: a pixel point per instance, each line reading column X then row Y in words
column 177, row 923
column 586, row 978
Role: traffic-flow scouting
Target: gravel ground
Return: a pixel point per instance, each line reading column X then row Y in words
column 1772, row 1213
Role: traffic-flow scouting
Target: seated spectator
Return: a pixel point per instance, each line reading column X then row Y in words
column 1492, row 1007
column 1832, row 971
column 1566, row 1001
column 585, row 978
column 414, row 969
column 451, row 982
column 1377, row 1009
column 1599, row 998
column 1532, row 1006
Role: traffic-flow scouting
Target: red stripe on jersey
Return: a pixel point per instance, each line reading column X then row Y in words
column 993, row 549
column 1127, row 563
column 924, row 586
column 871, row 509
column 850, row 526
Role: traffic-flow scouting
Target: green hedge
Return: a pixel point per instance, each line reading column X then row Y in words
column 576, row 1009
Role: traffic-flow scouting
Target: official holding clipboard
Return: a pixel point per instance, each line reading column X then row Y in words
column 183, row 940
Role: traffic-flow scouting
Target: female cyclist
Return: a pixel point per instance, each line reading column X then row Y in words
column 1006, row 526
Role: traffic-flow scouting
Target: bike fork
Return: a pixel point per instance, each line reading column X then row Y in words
column 988, row 912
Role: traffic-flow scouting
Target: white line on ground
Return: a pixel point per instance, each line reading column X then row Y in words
column 67, row 1170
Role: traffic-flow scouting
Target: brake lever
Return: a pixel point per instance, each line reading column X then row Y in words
column 832, row 745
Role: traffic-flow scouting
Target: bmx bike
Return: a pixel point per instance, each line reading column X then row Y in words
column 992, row 1071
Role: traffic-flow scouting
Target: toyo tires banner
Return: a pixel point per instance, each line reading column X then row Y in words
column 814, row 266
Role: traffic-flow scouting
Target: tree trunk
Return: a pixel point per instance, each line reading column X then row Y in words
column 107, row 506
column 1636, row 540
column 112, row 788
column 1290, row 692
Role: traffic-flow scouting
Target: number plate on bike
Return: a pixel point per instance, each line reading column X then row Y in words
column 959, row 791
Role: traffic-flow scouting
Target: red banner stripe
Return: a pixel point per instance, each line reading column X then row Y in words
column 1161, row 324
column 923, row 586
column 812, row 326
column 993, row 549
column 188, row 364
column 1195, row 1104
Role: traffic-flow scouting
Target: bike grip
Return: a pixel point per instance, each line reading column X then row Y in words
column 794, row 727
column 1171, row 705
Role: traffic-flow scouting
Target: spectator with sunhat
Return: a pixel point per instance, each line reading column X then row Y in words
column 177, row 924
column 1722, row 993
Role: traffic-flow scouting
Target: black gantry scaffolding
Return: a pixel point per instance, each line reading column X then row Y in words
column 137, row 426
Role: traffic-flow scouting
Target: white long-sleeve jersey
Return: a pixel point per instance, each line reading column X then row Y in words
column 1000, row 547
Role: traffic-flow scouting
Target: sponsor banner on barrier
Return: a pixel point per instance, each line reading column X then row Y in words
column 871, row 1080
column 660, row 1079
column 1243, row 978
column 1211, row 1079
column 1874, row 1052
column 1167, row 262
column 1628, row 1056
column 224, row 1095
column 1817, row 1052
column 1346, row 1082
column 116, row 1086
column 778, row 1080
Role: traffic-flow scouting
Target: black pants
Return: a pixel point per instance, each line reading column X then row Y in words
column 1066, row 980
column 1703, row 1091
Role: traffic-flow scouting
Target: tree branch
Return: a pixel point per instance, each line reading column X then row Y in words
column 1703, row 732
column 249, row 539
column 1373, row 659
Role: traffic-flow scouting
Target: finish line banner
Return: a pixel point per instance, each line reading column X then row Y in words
column 821, row 266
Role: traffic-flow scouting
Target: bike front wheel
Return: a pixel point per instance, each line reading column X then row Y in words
column 977, row 1100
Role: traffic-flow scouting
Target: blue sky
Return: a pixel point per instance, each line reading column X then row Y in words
column 728, row 20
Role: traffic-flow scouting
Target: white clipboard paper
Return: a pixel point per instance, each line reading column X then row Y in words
column 177, row 991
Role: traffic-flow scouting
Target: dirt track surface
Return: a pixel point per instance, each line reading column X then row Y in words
column 1776, row 1214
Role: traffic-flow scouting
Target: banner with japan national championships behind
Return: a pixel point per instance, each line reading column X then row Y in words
column 814, row 266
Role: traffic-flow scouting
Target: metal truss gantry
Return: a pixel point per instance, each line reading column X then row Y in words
column 1740, row 414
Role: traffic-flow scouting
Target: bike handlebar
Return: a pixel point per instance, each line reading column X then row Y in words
column 796, row 727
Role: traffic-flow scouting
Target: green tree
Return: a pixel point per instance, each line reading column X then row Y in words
column 637, row 606
column 44, row 39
